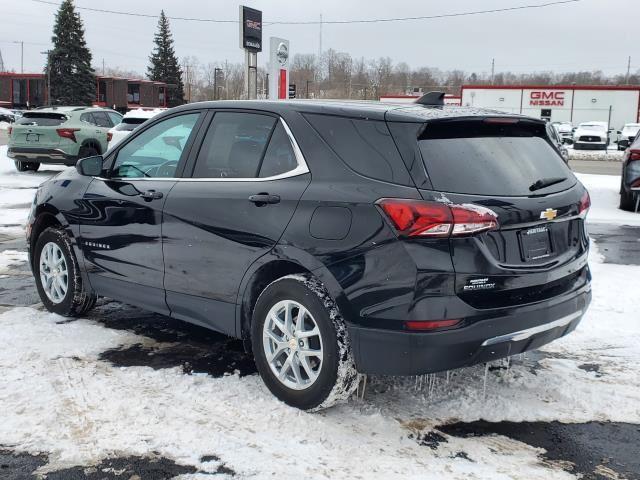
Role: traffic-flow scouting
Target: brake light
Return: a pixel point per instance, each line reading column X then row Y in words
column 501, row 120
column 109, row 136
column 69, row 133
column 634, row 155
column 417, row 218
column 9, row 130
column 585, row 203
column 430, row 324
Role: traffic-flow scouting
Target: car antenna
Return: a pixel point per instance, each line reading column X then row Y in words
column 432, row 99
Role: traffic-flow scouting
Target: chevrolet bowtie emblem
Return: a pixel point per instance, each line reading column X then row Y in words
column 549, row 214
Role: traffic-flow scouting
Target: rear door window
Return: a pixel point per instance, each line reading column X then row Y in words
column 88, row 118
column 492, row 159
column 279, row 157
column 102, row 120
column 234, row 145
column 366, row 146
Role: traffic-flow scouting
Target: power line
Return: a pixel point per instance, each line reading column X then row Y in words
column 334, row 22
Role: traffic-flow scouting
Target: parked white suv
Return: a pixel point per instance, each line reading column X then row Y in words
column 565, row 130
column 131, row 120
column 627, row 135
column 594, row 135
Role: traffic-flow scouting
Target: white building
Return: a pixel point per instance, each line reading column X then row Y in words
column 448, row 99
column 563, row 103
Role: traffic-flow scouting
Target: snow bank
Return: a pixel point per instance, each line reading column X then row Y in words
column 4, row 125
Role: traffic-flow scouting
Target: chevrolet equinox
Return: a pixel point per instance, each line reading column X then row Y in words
column 334, row 238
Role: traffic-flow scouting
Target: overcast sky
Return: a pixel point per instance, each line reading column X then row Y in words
column 588, row 35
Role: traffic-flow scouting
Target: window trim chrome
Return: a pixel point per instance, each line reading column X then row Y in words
column 300, row 169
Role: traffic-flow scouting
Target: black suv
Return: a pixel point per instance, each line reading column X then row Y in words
column 333, row 237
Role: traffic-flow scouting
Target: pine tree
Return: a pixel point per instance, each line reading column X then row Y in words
column 164, row 66
column 72, row 79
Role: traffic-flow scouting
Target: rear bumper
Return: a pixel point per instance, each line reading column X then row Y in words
column 386, row 352
column 41, row 155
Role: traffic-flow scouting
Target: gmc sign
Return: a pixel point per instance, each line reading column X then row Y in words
column 552, row 98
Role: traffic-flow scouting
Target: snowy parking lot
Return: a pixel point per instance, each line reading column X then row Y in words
column 126, row 394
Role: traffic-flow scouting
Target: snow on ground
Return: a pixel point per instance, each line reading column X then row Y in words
column 16, row 192
column 612, row 154
column 4, row 125
column 605, row 197
column 58, row 397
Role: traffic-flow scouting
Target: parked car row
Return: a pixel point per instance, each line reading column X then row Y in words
column 596, row 135
column 63, row 135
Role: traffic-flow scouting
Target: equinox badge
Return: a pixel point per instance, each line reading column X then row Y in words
column 549, row 214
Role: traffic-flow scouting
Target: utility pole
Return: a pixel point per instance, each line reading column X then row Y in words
column 103, row 67
column 626, row 80
column 48, row 54
column 493, row 69
column 320, row 40
column 21, row 55
column 1, row 62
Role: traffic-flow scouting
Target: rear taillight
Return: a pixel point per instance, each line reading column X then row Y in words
column 634, row 155
column 9, row 130
column 417, row 218
column 585, row 203
column 109, row 136
column 69, row 133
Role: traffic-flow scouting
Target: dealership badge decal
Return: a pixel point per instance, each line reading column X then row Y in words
column 549, row 214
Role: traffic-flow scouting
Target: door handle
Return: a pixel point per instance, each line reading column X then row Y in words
column 264, row 198
column 151, row 195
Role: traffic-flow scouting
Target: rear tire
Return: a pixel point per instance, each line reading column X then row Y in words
column 21, row 166
column 295, row 372
column 87, row 151
column 34, row 166
column 58, row 276
column 627, row 201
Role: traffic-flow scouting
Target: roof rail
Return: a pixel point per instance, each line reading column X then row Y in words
column 434, row 99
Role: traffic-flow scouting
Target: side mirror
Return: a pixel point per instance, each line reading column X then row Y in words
column 90, row 166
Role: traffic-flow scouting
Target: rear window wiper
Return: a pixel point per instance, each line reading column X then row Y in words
column 545, row 182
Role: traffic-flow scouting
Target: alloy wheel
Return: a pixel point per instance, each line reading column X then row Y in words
column 54, row 274
column 292, row 344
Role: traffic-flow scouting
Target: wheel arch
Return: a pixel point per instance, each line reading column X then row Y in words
column 267, row 270
column 94, row 143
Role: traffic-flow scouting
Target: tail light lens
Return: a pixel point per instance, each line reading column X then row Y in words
column 423, row 325
column 585, row 203
column 109, row 136
column 417, row 218
column 9, row 130
column 69, row 133
column 634, row 155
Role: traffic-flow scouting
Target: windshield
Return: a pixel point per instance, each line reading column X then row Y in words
column 595, row 128
column 499, row 160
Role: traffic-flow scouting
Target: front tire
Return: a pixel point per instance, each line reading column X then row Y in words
column 34, row 166
column 300, row 344
column 58, row 276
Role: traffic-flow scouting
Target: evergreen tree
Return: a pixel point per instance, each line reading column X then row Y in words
column 72, row 79
column 164, row 66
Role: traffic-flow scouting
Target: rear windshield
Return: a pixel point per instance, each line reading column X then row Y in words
column 129, row 124
column 41, row 119
column 487, row 159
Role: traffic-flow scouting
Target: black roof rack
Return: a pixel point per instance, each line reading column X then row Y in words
column 434, row 99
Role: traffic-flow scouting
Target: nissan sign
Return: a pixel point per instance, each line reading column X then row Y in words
column 546, row 98
column 250, row 29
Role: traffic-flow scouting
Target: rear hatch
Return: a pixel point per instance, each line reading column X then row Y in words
column 38, row 130
column 508, row 166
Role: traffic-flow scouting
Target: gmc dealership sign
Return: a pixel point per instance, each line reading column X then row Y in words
column 546, row 98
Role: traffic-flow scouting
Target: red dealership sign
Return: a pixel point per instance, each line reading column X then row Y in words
column 549, row 98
